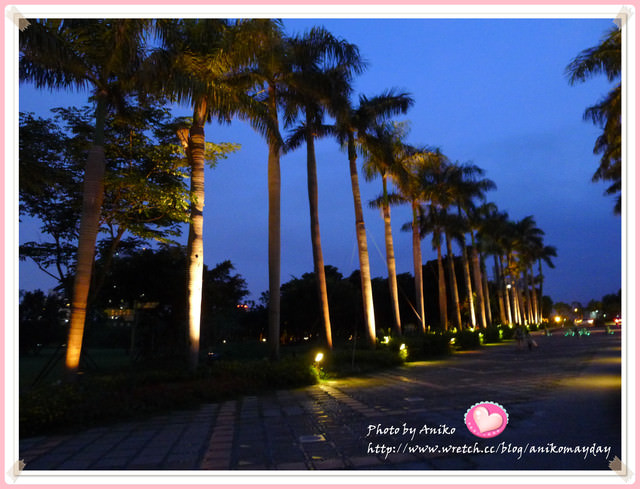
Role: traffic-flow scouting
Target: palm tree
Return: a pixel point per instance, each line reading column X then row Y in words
column 321, row 64
column 352, row 123
column 492, row 228
column 526, row 236
column 439, row 194
column 197, row 64
column 410, row 182
column 104, row 56
column 453, row 226
column 434, row 221
column 271, row 73
column 474, row 220
column 605, row 58
column 470, row 187
column 383, row 149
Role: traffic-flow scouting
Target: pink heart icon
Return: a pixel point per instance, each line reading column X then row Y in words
column 485, row 421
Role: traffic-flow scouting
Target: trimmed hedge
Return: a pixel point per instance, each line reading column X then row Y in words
column 345, row 362
column 468, row 340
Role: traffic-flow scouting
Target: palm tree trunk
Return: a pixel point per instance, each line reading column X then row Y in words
column 485, row 286
column 274, row 187
column 442, row 290
column 521, row 305
column 508, row 302
column 92, row 197
column 363, row 252
column 499, row 288
column 517, row 303
column 534, row 298
column 316, row 244
column 417, row 265
column 467, row 276
column 195, row 244
column 453, row 283
column 477, row 277
column 527, row 294
column 391, row 260
column 541, row 280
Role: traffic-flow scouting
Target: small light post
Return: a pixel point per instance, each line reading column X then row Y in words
column 316, row 362
column 404, row 353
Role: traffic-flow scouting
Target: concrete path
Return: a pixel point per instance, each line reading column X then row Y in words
column 564, row 393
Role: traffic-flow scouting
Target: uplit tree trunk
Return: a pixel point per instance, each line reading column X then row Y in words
column 442, row 290
column 274, row 187
column 517, row 303
column 363, row 252
column 467, row 277
column 528, row 295
column 504, row 291
column 485, row 286
column 541, row 280
column 477, row 277
column 316, row 245
column 508, row 303
column 391, row 260
column 534, row 297
column 453, row 283
column 92, row 197
column 525, row 303
column 417, row 265
column 195, row 244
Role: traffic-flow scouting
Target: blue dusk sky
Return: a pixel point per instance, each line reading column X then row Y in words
column 488, row 91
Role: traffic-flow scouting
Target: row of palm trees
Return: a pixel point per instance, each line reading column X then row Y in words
column 448, row 201
column 252, row 70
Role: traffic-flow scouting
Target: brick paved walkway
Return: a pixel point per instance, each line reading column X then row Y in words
column 567, row 391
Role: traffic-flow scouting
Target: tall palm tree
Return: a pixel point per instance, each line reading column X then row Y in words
column 272, row 72
column 605, row 58
column 439, row 194
column 103, row 56
column 434, row 221
column 383, row 150
column 526, row 236
column 453, row 226
column 198, row 63
column 492, row 228
column 484, row 309
column 411, row 185
column 470, row 187
column 322, row 64
column 352, row 123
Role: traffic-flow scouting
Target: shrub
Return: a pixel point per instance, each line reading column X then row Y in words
column 95, row 400
column 422, row 347
column 345, row 362
column 468, row 340
column 492, row 334
column 507, row 332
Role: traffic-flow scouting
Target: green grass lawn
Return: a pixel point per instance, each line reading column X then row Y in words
column 48, row 364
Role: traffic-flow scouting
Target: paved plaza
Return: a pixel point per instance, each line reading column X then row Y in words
column 563, row 401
